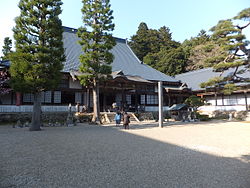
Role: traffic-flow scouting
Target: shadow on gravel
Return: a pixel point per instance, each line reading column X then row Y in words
column 95, row 156
column 166, row 124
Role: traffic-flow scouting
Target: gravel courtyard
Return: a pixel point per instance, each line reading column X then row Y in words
column 214, row 154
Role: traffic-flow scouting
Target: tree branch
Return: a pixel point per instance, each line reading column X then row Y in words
column 242, row 27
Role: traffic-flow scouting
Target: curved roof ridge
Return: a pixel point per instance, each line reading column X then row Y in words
column 74, row 30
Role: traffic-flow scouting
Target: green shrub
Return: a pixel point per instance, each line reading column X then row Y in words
column 84, row 117
column 203, row 117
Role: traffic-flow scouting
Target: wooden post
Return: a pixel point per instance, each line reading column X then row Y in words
column 104, row 102
column 160, row 98
column 245, row 94
column 18, row 99
column 88, row 100
column 215, row 94
column 136, row 100
column 222, row 97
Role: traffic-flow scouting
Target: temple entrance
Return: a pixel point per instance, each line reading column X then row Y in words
column 106, row 101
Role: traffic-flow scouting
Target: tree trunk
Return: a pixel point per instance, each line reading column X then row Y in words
column 96, row 103
column 36, row 115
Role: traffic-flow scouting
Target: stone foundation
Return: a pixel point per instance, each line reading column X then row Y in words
column 26, row 117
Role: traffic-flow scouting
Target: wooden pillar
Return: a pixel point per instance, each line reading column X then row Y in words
column 222, row 98
column 160, row 98
column 136, row 99
column 88, row 100
column 18, row 99
column 104, row 102
column 215, row 95
column 123, row 99
column 245, row 94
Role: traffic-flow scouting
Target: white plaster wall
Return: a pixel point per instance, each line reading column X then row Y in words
column 231, row 100
column 29, row 108
column 212, row 108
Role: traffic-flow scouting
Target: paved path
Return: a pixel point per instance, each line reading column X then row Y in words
column 192, row 155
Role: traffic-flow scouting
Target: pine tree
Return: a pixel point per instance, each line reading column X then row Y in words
column 229, row 37
column 96, row 45
column 197, row 49
column 37, row 61
column 6, row 48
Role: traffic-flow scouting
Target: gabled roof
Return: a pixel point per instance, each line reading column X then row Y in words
column 124, row 59
column 194, row 78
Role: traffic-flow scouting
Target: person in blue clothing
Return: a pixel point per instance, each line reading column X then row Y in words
column 118, row 117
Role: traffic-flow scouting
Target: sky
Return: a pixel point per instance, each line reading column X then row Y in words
column 185, row 18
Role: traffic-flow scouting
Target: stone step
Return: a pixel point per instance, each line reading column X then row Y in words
column 111, row 116
column 247, row 117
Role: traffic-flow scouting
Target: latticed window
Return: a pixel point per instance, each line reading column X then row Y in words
column 78, row 97
column 118, row 99
column 128, row 99
column 57, row 96
column 28, row 97
column 143, row 99
column 47, row 97
column 152, row 99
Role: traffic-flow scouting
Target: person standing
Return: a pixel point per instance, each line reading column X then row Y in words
column 126, row 120
column 117, row 118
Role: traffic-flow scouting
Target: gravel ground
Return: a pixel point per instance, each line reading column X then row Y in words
column 190, row 155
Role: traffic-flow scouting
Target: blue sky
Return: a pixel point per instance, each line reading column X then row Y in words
column 185, row 18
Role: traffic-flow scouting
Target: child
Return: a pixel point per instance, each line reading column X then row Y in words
column 117, row 118
column 126, row 120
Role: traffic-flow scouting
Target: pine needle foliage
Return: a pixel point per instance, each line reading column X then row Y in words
column 37, row 61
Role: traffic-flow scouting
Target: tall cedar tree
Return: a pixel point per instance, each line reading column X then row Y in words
column 231, row 39
column 157, row 49
column 96, row 45
column 37, row 61
column 6, row 48
column 139, row 43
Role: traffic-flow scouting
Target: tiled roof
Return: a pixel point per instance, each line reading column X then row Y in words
column 124, row 59
column 194, row 78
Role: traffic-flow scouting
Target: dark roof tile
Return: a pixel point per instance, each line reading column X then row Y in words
column 124, row 59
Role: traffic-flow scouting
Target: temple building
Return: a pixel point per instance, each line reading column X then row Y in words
column 216, row 100
column 133, row 86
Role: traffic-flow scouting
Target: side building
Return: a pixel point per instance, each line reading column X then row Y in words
column 239, row 100
column 133, row 85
